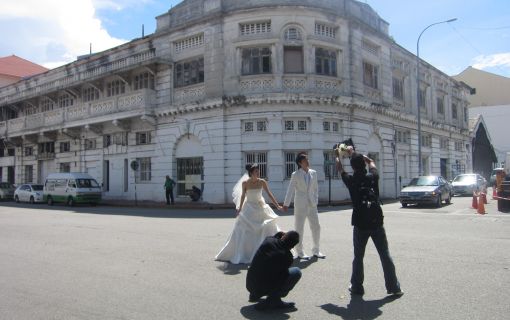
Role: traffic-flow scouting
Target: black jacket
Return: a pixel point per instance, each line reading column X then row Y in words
column 363, row 216
column 269, row 267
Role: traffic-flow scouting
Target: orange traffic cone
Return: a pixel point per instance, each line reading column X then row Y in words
column 474, row 203
column 494, row 193
column 481, row 207
column 483, row 195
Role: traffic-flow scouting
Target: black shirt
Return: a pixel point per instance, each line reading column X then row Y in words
column 269, row 267
column 363, row 217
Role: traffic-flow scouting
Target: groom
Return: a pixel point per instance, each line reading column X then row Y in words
column 305, row 190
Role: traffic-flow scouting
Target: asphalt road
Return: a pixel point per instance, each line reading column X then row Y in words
column 138, row 263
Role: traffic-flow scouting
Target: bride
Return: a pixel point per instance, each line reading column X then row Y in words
column 255, row 219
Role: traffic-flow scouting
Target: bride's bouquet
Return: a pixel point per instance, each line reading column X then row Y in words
column 344, row 149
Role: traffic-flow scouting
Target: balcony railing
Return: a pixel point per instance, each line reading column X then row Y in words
column 290, row 83
column 142, row 100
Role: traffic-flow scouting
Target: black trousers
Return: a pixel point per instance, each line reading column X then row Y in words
column 169, row 192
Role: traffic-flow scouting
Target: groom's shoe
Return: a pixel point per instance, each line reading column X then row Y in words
column 319, row 255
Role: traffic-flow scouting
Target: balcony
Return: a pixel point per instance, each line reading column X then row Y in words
column 299, row 83
column 125, row 106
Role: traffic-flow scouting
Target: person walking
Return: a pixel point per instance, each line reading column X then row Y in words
column 304, row 189
column 367, row 220
column 169, row 189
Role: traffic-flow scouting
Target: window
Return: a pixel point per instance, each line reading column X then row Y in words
column 440, row 105
column 421, row 100
column 330, row 165
column 251, row 126
column 299, row 125
column 114, row 88
column 403, row 136
column 65, row 100
column 46, row 104
column 466, row 114
column 189, row 43
column 336, row 126
column 143, row 81
column 261, row 126
column 255, row 28
column 144, row 169
column 293, row 59
column 290, row 163
column 426, row 140
column 458, row 145
column 292, row 34
column 326, row 126
column 256, row 60
column 398, row 89
column 65, row 146
column 65, row 167
column 325, row 62
column 11, row 152
column 444, row 144
column 325, row 31
column 143, row 137
column 454, row 111
column 260, row 158
column 370, row 75
column 189, row 72
column 289, row 125
column 370, row 47
column 190, row 172
column 29, row 151
column 119, row 138
column 29, row 174
column 46, row 147
column 90, row 144
column 90, row 94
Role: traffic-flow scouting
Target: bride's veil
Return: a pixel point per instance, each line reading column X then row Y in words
column 238, row 190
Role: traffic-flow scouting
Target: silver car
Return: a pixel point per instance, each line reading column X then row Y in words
column 426, row 190
column 465, row 184
column 29, row 193
column 6, row 190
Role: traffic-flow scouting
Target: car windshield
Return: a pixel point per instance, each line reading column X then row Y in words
column 465, row 178
column 37, row 187
column 423, row 181
column 5, row 185
column 86, row 183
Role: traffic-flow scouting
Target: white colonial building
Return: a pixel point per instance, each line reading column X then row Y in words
column 225, row 82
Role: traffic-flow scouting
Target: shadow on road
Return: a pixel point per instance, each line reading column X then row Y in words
column 232, row 269
column 359, row 308
column 249, row 312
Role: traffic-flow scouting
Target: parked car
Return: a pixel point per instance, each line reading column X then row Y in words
column 71, row 188
column 426, row 189
column 465, row 184
column 493, row 176
column 29, row 193
column 6, row 190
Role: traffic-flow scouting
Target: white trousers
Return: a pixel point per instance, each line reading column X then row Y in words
column 300, row 215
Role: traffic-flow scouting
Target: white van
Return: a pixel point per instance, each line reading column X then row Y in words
column 71, row 188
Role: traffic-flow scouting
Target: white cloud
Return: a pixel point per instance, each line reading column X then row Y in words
column 490, row 61
column 54, row 32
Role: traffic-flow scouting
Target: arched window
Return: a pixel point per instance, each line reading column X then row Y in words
column 293, row 34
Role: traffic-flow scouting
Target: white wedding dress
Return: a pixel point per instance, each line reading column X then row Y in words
column 255, row 222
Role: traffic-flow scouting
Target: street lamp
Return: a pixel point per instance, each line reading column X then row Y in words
column 420, row 165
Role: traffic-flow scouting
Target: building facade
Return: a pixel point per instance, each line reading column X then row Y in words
column 222, row 83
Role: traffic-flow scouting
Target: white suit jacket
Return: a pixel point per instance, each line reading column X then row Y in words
column 304, row 195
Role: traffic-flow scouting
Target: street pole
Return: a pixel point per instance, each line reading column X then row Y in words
column 420, row 165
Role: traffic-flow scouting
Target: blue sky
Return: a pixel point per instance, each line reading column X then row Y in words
column 51, row 33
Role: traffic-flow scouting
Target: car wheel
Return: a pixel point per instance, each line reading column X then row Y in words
column 32, row 200
column 16, row 198
column 404, row 205
column 70, row 201
column 439, row 201
column 50, row 201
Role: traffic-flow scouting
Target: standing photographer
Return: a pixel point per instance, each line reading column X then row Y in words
column 367, row 219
